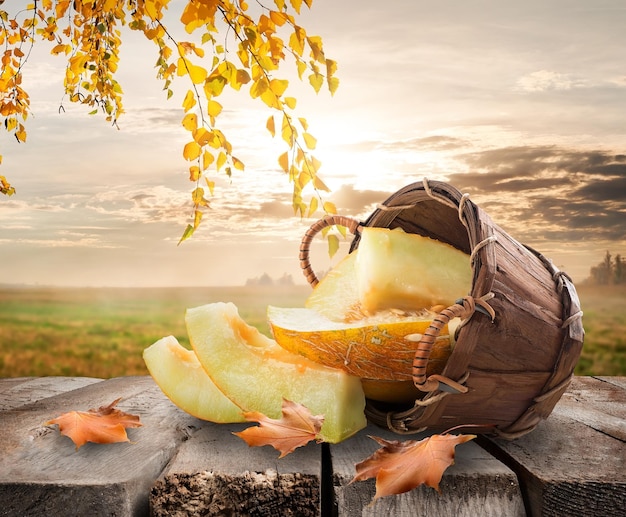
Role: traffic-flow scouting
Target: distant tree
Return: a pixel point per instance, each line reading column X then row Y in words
column 286, row 279
column 609, row 271
column 245, row 44
column 618, row 270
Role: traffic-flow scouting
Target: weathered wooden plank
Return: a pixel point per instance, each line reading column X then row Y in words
column 477, row 484
column 215, row 473
column 41, row 472
column 26, row 390
column 574, row 463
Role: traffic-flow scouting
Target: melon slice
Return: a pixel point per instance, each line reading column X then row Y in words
column 402, row 270
column 182, row 379
column 379, row 347
column 255, row 373
column 336, row 295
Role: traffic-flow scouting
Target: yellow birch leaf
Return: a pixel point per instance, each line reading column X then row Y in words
column 303, row 123
column 296, row 40
column 57, row 49
column 303, row 179
column 270, row 99
column 315, row 43
column 202, row 135
column 190, row 122
column 278, row 18
column 186, row 234
column 283, row 161
column 270, row 125
column 242, row 76
column 194, row 173
column 301, row 65
column 221, row 160
column 10, row 124
column 319, row 184
column 329, row 207
column 189, row 102
column 331, row 67
column 214, row 108
column 278, row 86
column 198, row 196
column 197, row 217
column 333, row 244
column 312, row 206
column 288, row 131
column 333, row 84
column 207, row 160
column 290, row 102
column 316, row 79
column 296, row 4
column 210, row 184
column 214, row 85
column 259, row 87
column 238, row 164
column 20, row 134
column 191, row 151
column 197, row 74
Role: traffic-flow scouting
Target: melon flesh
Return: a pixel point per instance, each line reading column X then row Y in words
column 182, row 379
column 406, row 271
column 255, row 373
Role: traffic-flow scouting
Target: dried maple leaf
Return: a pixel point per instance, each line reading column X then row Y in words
column 402, row 466
column 103, row 425
column 297, row 427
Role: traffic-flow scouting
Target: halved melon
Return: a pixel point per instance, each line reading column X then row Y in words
column 257, row 374
column 182, row 379
column 392, row 269
column 402, row 270
column 380, row 347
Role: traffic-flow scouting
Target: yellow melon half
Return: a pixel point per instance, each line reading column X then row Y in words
column 379, row 347
column 392, row 269
column 402, row 270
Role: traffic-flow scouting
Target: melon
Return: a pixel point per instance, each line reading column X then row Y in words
column 378, row 347
column 256, row 373
column 179, row 374
column 395, row 269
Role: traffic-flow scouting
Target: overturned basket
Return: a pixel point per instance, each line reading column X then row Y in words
column 514, row 358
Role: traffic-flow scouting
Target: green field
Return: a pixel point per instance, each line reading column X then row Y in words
column 102, row 332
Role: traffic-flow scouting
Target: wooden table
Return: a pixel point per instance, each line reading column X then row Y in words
column 574, row 463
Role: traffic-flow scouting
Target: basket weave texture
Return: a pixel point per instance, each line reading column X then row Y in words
column 515, row 367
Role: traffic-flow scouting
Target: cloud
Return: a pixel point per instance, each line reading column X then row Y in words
column 550, row 193
column 546, row 80
column 427, row 143
column 350, row 201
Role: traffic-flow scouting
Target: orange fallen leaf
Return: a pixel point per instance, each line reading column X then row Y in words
column 402, row 466
column 103, row 425
column 297, row 427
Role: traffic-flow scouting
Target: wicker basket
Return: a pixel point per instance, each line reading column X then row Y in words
column 505, row 373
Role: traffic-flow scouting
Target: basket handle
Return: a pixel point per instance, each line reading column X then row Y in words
column 464, row 309
column 305, row 245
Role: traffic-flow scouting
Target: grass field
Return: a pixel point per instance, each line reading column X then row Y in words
column 102, row 332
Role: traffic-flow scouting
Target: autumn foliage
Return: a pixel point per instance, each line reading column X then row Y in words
column 232, row 45
column 105, row 424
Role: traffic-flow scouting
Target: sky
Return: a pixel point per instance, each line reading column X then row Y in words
column 519, row 104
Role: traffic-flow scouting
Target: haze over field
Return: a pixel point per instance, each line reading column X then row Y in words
column 520, row 104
